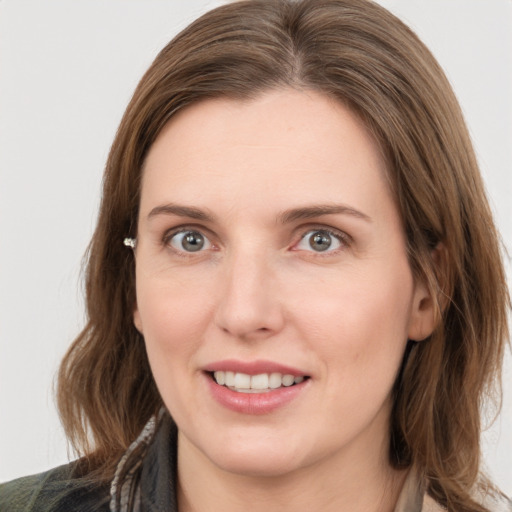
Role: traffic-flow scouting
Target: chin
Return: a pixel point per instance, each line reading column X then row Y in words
column 261, row 456
column 261, row 465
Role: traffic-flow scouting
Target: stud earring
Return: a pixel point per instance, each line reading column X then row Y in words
column 130, row 242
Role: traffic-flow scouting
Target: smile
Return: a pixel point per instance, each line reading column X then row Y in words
column 261, row 383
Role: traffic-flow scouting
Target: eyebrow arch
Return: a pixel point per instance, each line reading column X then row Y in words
column 291, row 215
column 181, row 211
column 309, row 212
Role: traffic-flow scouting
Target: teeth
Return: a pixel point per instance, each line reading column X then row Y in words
column 288, row 380
column 275, row 381
column 220, row 378
column 259, row 381
column 262, row 382
column 242, row 381
column 229, row 379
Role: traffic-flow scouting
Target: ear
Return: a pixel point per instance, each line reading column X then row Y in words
column 426, row 308
column 422, row 319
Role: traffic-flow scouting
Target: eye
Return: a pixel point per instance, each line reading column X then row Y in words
column 188, row 241
column 320, row 240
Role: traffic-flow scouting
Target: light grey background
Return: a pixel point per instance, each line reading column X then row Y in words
column 67, row 71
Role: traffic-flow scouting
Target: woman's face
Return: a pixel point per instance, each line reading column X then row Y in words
column 270, row 251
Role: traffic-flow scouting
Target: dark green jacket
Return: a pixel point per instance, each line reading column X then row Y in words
column 147, row 469
column 55, row 491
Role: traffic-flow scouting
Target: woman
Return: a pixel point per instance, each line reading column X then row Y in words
column 310, row 282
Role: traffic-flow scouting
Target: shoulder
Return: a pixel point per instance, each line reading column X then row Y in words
column 56, row 490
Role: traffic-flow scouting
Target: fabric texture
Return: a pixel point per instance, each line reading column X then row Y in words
column 145, row 481
column 53, row 491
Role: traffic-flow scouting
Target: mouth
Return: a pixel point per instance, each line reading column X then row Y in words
column 256, row 387
column 260, row 383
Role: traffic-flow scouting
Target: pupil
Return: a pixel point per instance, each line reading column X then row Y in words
column 193, row 241
column 320, row 241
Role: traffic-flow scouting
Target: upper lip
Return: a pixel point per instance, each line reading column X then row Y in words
column 253, row 367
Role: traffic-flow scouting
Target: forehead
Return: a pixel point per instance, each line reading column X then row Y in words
column 282, row 144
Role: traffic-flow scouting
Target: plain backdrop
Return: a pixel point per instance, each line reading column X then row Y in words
column 67, row 71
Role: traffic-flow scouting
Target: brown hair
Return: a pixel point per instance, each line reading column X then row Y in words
column 360, row 54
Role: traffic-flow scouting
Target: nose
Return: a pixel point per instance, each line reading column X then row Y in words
column 249, row 305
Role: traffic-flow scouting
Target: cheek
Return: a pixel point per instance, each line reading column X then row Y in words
column 359, row 322
column 173, row 319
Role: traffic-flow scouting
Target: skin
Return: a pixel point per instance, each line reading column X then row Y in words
column 259, row 290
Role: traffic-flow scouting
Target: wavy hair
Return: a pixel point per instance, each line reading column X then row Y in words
column 358, row 53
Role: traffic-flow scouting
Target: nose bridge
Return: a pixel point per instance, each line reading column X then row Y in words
column 249, row 304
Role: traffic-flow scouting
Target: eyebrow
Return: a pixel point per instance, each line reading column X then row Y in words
column 181, row 211
column 291, row 215
column 309, row 212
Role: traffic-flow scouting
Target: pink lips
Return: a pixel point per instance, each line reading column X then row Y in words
column 254, row 403
column 252, row 367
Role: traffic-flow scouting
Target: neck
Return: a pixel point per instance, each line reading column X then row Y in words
column 338, row 484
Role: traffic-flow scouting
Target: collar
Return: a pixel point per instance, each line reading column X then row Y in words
column 414, row 498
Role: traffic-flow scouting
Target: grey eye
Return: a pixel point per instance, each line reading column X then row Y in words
column 319, row 241
column 189, row 241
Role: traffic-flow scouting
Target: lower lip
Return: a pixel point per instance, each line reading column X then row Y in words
column 255, row 403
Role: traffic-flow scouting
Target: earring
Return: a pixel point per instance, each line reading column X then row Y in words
column 130, row 242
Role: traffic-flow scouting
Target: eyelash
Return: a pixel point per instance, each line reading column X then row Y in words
column 169, row 235
column 343, row 238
